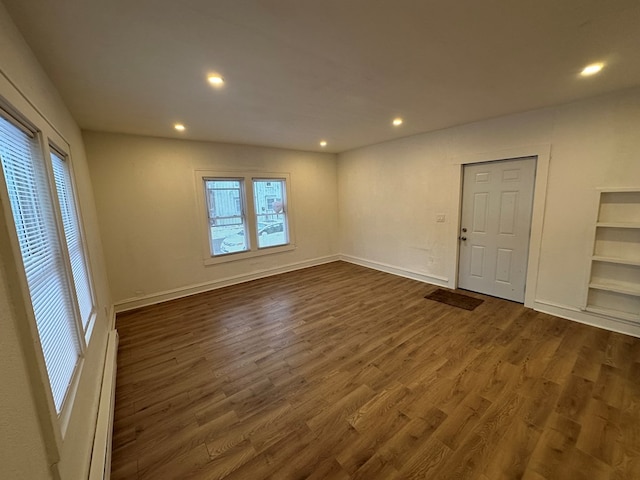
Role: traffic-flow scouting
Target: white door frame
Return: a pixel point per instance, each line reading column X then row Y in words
column 543, row 155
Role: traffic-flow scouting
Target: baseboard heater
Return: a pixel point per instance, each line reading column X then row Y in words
column 101, row 454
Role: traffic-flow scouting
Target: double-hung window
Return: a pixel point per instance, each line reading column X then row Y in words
column 269, row 197
column 227, row 219
column 246, row 214
column 73, row 236
column 51, row 248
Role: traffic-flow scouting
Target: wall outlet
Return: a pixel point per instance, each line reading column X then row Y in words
column 441, row 217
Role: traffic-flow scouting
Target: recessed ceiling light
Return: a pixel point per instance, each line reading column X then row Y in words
column 323, row 143
column 215, row 80
column 180, row 127
column 397, row 122
column 591, row 69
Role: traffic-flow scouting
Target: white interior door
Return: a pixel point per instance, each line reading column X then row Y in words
column 497, row 200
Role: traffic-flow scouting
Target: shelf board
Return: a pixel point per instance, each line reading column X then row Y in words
column 617, row 288
column 618, row 224
column 619, row 189
column 634, row 317
column 621, row 261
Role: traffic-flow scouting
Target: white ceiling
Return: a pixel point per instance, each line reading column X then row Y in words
column 298, row 71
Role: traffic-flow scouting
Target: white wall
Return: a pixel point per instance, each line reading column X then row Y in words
column 390, row 193
column 146, row 200
column 26, row 446
column 388, row 197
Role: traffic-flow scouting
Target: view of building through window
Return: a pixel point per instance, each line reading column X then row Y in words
column 268, row 196
column 226, row 215
column 228, row 222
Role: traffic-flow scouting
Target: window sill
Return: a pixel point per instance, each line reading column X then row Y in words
column 232, row 257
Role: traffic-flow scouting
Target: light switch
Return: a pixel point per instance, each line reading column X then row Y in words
column 440, row 218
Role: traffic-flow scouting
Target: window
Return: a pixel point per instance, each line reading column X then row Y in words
column 226, row 215
column 46, row 262
column 271, row 217
column 247, row 215
column 73, row 236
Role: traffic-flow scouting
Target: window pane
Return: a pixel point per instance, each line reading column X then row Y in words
column 227, row 223
column 73, row 236
column 26, row 179
column 269, row 196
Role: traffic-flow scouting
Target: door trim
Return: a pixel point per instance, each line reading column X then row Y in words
column 543, row 155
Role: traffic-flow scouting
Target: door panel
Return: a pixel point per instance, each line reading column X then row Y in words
column 477, row 261
column 497, row 200
column 510, row 175
column 508, row 204
column 503, row 265
column 480, row 212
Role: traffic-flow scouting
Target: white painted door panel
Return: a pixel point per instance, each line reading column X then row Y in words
column 497, row 200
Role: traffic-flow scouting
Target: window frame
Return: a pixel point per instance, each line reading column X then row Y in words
column 251, row 220
column 285, row 210
column 54, row 424
column 242, row 207
column 53, row 149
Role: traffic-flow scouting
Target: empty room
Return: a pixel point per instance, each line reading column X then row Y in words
column 341, row 239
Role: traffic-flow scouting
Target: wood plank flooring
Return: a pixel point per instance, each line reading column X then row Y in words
column 342, row 372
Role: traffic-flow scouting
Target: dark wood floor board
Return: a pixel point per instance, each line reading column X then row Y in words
column 343, row 372
column 426, row 460
column 513, row 451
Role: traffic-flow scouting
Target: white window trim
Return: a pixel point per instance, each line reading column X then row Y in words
column 54, row 425
column 67, row 404
column 62, row 153
column 247, row 178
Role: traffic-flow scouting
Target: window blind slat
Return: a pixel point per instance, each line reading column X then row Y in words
column 42, row 256
column 71, row 227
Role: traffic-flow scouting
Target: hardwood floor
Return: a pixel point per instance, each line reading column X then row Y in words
column 342, row 372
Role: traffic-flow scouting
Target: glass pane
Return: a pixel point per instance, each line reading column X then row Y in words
column 270, row 202
column 71, row 225
column 42, row 257
column 227, row 226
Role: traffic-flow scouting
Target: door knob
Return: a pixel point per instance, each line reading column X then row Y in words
column 463, row 238
column 464, row 229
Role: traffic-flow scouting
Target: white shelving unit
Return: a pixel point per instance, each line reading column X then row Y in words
column 614, row 281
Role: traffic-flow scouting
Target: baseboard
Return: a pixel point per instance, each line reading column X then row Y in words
column 563, row 311
column 101, row 454
column 154, row 298
column 401, row 272
column 588, row 318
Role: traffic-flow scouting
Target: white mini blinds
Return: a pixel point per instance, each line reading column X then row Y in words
column 72, row 233
column 56, row 308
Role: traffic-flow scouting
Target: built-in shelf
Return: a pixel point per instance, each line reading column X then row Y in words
column 621, row 261
column 613, row 288
column 618, row 224
column 613, row 313
column 618, row 288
